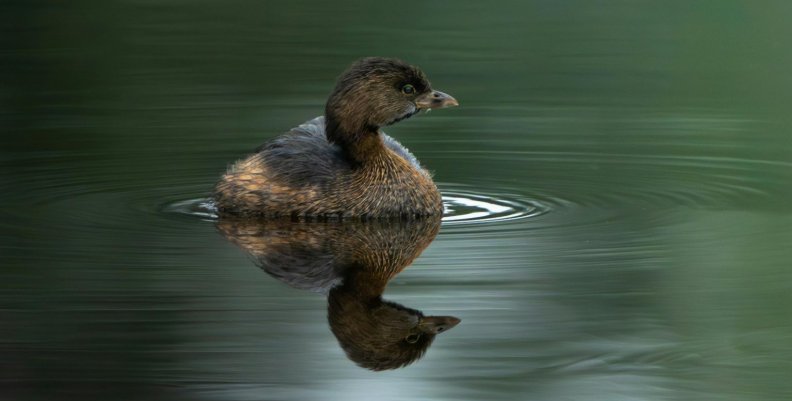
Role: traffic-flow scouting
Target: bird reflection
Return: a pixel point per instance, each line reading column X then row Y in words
column 350, row 262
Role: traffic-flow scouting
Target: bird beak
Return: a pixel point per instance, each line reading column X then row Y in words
column 435, row 100
column 438, row 324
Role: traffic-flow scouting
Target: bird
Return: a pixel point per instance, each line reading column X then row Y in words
column 341, row 165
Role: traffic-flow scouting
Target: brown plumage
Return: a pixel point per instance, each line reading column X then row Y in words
column 352, row 263
column 342, row 165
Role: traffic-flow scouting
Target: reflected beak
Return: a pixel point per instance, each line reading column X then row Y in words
column 435, row 100
column 438, row 324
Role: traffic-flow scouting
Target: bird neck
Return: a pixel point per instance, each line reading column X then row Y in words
column 361, row 142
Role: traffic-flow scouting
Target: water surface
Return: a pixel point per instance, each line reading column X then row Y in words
column 616, row 177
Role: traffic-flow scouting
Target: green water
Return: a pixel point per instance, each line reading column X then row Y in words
column 645, row 148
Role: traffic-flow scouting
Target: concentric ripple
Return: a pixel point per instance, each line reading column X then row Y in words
column 200, row 207
column 466, row 207
column 462, row 206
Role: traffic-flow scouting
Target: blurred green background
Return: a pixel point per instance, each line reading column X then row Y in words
column 654, row 134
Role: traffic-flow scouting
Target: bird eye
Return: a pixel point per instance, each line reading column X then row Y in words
column 408, row 89
column 412, row 338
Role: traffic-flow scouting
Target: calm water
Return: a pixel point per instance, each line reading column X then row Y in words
column 617, row 181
